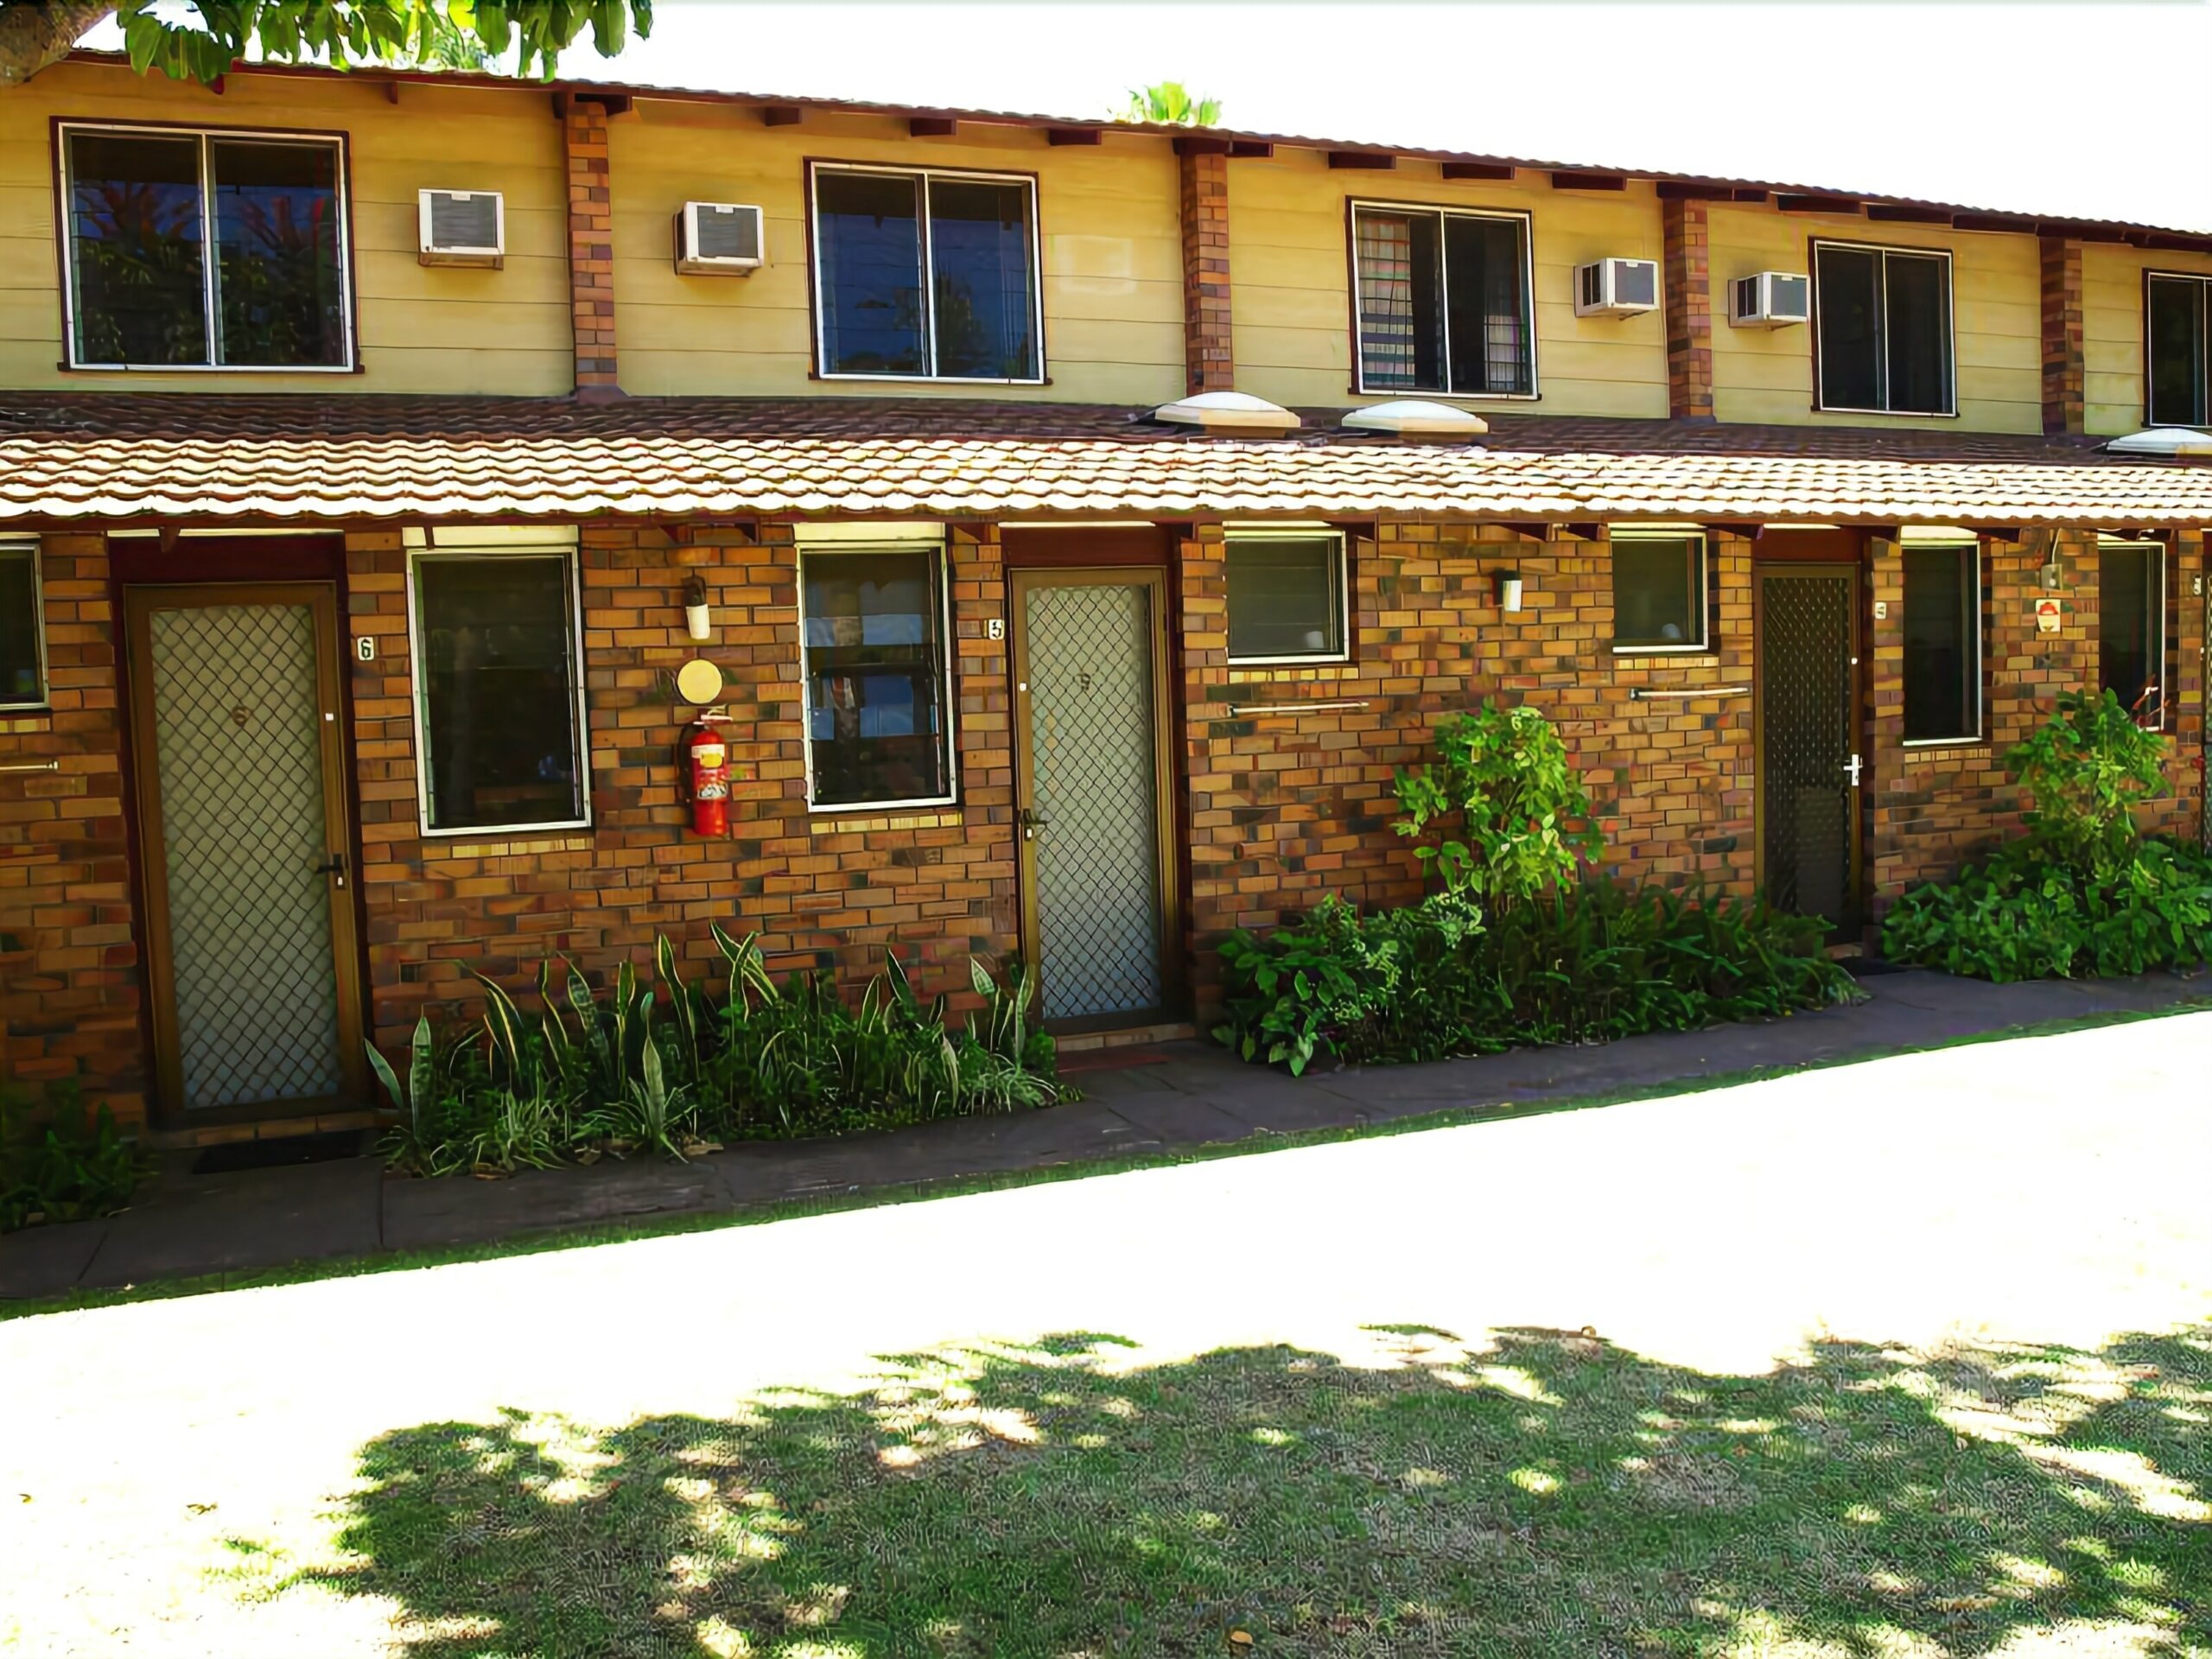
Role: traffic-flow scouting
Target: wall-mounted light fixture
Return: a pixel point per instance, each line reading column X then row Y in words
column 698, row 620
column 2051, row 575
column 1508, row 584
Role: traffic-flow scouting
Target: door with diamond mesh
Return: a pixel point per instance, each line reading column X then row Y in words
column 1097, row 870
column 243, row 843
column 1810, row 756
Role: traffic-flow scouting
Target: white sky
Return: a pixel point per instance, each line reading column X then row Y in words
column 2092, row 110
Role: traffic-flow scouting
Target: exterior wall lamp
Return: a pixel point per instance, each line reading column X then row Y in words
column 1507, row 586
column 698, row 620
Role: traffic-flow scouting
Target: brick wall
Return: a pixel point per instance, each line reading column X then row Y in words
column 1688, row 275
column 1208, row 352
column 69, row 981
column 823, row 890
column 591, row 246
column 1934, row 807
column 2065, row 375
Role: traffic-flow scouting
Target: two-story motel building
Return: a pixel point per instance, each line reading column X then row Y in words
column 364, row 440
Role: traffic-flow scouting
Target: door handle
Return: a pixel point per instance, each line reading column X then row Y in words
column 1031, row 821
column 333, row 866
column 1852, row 766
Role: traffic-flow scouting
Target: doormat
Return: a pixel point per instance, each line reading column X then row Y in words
column 234, row 1155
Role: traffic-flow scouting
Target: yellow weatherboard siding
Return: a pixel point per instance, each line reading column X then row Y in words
column 1108, row 214
column 1766, row 375
column 1289, row 269
column 420, row 329
column 2112, row 329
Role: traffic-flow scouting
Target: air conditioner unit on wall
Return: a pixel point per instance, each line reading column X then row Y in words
column 720, row 239
column 1616, row 288
column 463, row 227
column 1772, row 299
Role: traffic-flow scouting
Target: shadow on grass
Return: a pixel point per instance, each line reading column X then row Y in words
column 1552, row 1495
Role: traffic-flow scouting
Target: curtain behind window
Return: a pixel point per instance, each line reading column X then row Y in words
column 1400, row 342
column 1490, row 327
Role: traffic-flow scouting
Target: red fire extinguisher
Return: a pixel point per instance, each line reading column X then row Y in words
column 706, row 771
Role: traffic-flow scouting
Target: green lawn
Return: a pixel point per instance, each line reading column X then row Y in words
column 1550, row 1495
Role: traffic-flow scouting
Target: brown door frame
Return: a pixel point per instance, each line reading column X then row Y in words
column 1855, row 871
column 1168, row 873
column 140, row 601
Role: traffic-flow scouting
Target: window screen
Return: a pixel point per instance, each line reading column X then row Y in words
column 1884, row 321
column 496, row 641
column 927, row 275
column 2131, row 626
column 1659, row 592
column 1942, row 642
column 1286, row 597
column 1443, row 302
column 22, row 666
column 144, row 291
column 2176, row 339
column 877, row 699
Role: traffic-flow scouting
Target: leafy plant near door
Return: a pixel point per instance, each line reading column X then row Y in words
column 2084, row 892
column 58, row 1164
column 670, row 1067
column 1518, row 946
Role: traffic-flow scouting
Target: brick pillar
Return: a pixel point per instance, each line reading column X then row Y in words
column 591, row 247
column 2063, row 379
column 1689, row 311
column 1209, row 354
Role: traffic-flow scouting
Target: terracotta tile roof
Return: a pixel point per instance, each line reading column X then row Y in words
column 183, row 456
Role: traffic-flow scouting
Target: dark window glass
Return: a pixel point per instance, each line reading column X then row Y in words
column 1287, row 597
column 279, row 281
column 22, row 677
column 877, row 725
column 135, row 247
column 2177, row 351
column 1486, row 308
column 1658, row 595
column 870, row 228
column 2131, row 625
column 1918, row 316
column 1942, row 642
column 1425, row 277
column 979, row 254
column 498, row 644
column 1850, row 328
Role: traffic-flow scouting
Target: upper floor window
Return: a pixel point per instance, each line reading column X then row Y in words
column 2175, row 339
column 927, row 275
column 220, row 250
column 22, row 654
column 1443, row 302
column 1884, row 321
column 1287, row 596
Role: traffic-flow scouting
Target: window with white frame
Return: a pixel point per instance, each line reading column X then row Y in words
column 1659, row 590
column 926, row 274
column 1942, row 639
column 1884, row 323
column 2176, row 347
column 1288, row 595
column 878, row 667
column 2131, row 626
column 222, row 248
column 1443, row 300
column 499, row 689
column 22, row 642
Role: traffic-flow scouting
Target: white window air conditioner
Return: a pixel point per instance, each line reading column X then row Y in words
column 1616, row 288
column 719, row 238
column 463, row 227
column 1772, row 299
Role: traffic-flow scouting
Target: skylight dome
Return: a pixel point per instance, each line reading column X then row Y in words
column 2163, row 441
column 1415, row 417
column 1228, row 411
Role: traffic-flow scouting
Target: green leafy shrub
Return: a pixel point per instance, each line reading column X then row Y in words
column 1504, row 775
column 56, row 1164
column 666, row 1065
column 2083, row 892
column 1585, row 963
